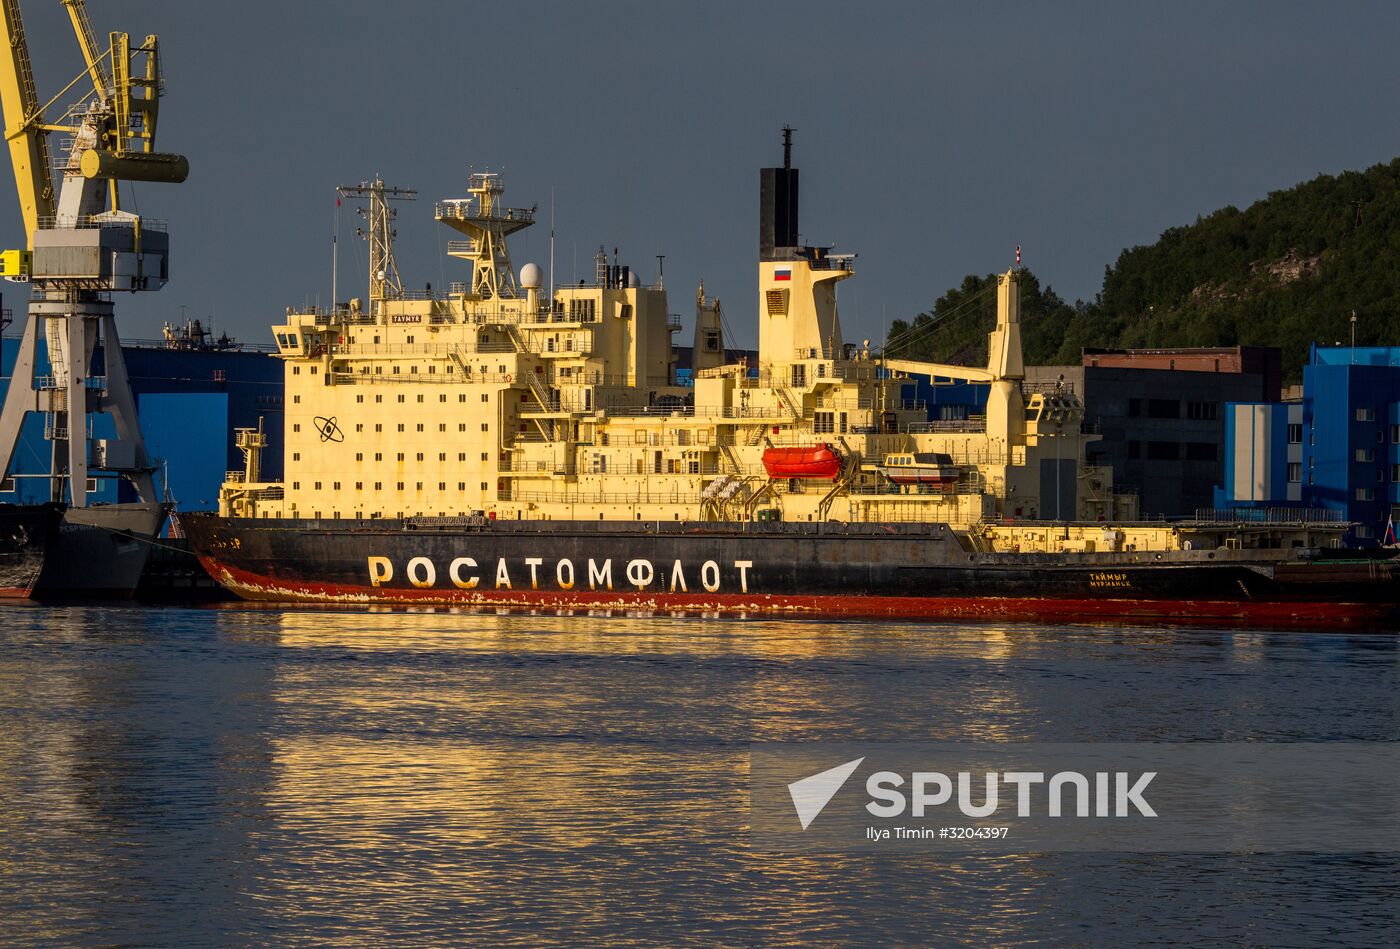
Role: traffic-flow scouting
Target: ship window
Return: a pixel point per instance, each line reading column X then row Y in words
column 463, row 456
column 432, row 370
column 396, row 372
column 442, row 456
column 442, row 485
column 799, row 375
column 420, row 398
column 8, row 484
column 379, row 398
column 296, row 426
column 379, row 456
column 296, row 485
column 420, row 457
column 315, row 369
column 821, row 370
column 1365, row 494
column 318, row 486
column 378, row 427
column 335, row 485
column 1365, row 415
column 413, row 371
column 400, row 485
column 443, row 397
column 359, row 486
column 359, row 426
column 400, row 398
column 1365, row 454
column 420, row 426
column 296, row 456
column 359, row 456
column 824, row 422
column 408, row 339
column 461, row 486
column 485, row 397
column 418, row 486
column 291, row 339
column 485, row 486
column 359, row 398
column 1295, row 433
column 296, row 400
column 401, row 426
column 378, row 371
column 400, row 458
column 485, row 427
column 442, row 426
column 1394, row 472
column 296, row 370
column 461, row 426
column 379, row 485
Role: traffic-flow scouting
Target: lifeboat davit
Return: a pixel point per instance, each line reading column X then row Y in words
column 813, row 461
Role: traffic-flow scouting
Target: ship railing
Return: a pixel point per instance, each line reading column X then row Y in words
column 234, row 347
column 448, row 378
column 1047, row 388
column 84, row 222
column 1271, row 515
column 916, row 492
column 947, row 426
column 444, row 350
column 234, row 477
column 845, row 405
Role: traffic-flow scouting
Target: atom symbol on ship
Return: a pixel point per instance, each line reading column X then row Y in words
column 330, row 431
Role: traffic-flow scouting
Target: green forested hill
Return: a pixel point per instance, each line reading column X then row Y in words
column 1286, row 271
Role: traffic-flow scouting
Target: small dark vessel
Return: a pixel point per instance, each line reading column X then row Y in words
column 26, row 531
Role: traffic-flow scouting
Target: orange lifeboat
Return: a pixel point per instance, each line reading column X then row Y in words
column 813, row 461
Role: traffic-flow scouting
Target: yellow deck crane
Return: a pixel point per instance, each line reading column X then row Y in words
column 82, row 246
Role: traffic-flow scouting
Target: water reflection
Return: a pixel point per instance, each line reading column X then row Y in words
column 250, row 775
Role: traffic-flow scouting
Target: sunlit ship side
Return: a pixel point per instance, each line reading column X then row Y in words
column 497, row 444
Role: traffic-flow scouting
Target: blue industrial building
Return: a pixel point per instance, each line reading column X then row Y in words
column 1338, row 448
column 189, row 401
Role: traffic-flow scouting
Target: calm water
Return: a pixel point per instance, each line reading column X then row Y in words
column 191, row 777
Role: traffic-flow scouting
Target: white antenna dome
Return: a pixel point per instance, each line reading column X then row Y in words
column 530, row 277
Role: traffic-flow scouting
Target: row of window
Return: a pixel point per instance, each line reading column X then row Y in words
column 1174, row 451
column 399, row 486
column 1171, row 408
column 379, row 426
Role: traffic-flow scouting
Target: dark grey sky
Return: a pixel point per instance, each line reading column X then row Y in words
column 932, row 139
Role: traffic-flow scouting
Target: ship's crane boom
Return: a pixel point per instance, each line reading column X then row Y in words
column 24, row 123
column 82, row 247
column 126, row 101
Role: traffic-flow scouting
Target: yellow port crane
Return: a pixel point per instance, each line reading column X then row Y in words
column 81, row 246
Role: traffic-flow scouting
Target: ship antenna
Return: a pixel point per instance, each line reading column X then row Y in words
column 551, row 251
column 787, row 147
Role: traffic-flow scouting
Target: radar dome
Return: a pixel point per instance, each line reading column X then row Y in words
column 530, row 277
